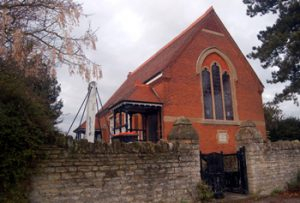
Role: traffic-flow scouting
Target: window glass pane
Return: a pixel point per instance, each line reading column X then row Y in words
column 217, row 92
column 227, row 96
column 206, row 88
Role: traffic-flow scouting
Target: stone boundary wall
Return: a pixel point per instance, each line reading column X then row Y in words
column 270, row 165
column 73, row 171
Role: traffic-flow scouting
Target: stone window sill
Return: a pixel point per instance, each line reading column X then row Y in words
column 220, row 122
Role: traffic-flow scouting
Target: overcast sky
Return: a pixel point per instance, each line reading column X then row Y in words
column 130, row 31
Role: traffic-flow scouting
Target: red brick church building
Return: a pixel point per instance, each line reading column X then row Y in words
column 202, row 75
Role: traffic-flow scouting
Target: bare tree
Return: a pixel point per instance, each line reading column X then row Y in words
column 35, row 32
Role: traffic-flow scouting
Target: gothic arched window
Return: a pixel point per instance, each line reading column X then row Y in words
column 206, row 87
column 217, row 94
column 227, row 96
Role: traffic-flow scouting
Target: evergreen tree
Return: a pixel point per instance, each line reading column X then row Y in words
column 273, row 115
column 48, row 89
column 280, row 46
column 280, row 127
column 35, row 37
column 26, row 121
column 286, row 129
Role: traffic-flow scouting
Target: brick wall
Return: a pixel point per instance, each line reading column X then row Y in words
column 183, row 93
column 74, row 171
column 179, row 89
column 269, row 165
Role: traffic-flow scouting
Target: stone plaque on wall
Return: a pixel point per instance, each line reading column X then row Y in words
column 222, row 137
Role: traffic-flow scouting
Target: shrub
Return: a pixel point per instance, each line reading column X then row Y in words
column 25, row 121
column 294, row 185
column 276, row 191
column 204, row 192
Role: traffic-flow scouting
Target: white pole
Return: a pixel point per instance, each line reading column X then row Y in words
column 91, row 111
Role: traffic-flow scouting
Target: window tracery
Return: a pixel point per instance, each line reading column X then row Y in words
column 217, row 93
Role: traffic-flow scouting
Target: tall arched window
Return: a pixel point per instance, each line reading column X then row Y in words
column 217, row 94
column 227, row 96
column 217, row 89
column 206, row 87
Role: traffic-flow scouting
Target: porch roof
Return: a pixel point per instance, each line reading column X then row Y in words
column 136, row 106
column 82, row 127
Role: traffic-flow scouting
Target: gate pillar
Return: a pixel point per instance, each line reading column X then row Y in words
column 187, row 138
column 184, row 132
column 247, row 135
column 249, row 138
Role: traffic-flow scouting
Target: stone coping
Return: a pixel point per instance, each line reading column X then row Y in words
column 83, row 146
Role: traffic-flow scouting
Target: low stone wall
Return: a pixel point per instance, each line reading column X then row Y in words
column 73, row 171
column 135, row 172
column 269, row 165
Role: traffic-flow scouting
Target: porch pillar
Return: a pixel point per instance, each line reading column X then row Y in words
column 145, row 133
column 120, row 121
column 114, row 122
column 130, row 120
column 126, row 124
column 160, row 124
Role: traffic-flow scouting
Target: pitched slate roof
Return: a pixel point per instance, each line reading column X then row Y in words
column 142, row 93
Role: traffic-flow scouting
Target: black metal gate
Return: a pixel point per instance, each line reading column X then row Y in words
column 225, row 172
